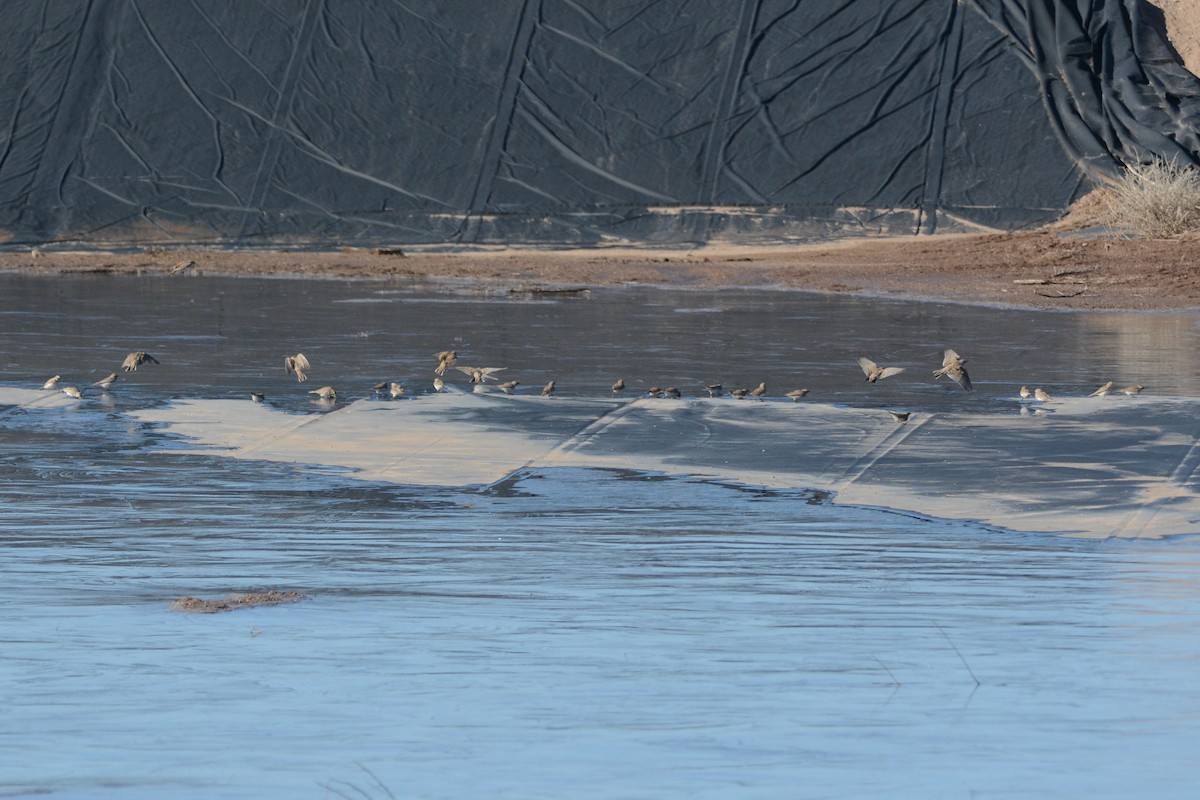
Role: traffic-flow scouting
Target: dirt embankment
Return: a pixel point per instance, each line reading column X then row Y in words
column 1045, row 269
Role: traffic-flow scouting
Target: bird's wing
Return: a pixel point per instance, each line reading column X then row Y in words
column 130, row 362
column 486, row 372
column 888, row 372
column 868, row 366
column 150, row 358
column 949, row 357
column 302, row 362
column 467, row 370
column 961, row 377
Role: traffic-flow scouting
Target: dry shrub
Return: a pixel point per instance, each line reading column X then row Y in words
column 1160, row 199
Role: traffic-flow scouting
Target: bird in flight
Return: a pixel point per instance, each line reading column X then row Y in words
column 295, row 365
column 952, row 367
column 135, row 360
column 874, row 372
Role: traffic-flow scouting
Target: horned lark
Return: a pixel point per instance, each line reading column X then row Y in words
column 396, row 390
column 874, row 372
column 107, row 381
column 135, row 360
column 713, row 389
column 295, row 365
column 257, row 397
column 548, row 389
column 71, row 391
column 508, row 386
column 759, row 391
column 52, row 383
column 324, row 393
column 952, row 367
column 671, row 391
column 1132, row 390
column 619, row 385
column 480, row 374
column 797, row 394
column 739, row 393
column 901, row 417
column 1103, row 390
column 1041, row 395
column 446, row 358
column 438, row 385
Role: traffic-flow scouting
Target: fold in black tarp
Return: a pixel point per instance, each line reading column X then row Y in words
column 569, row 121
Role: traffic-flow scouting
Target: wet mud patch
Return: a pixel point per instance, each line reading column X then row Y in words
column 234, row 602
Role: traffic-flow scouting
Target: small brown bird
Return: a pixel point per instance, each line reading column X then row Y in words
column 548, row 389
column 952, row 366
column 135, row 360
column 295, row 365
column 1025, row 394
column 438, row 385
column 480, row 374
column 507, row 387
column 379, row 387
column 396, row 390
column 1132, row 390
column 797, row 394
column 71, row 391
column 107, row 381
column 324, row 393
column 181, row 266
column 1103, row 390
column 52, row 383
column 874, row 372
column 901, row 417
column 619, row 386
column 257, row 397
column 672, row 392
column 739, row 393
column 446, row 358
column 1041, row 395
column 713, row 389
column 654, row 391
column 759, row 391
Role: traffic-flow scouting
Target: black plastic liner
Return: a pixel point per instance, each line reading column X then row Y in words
column 459, row 122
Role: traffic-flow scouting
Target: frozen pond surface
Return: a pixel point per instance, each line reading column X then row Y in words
column 677, row 610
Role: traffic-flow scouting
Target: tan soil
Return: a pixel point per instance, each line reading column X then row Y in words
column 1182, row 18
column 1043, row 269
column 196, row 605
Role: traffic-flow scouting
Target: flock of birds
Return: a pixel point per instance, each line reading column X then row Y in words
column 953, row 367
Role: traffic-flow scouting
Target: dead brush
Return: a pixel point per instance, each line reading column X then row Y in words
column 1160, row 199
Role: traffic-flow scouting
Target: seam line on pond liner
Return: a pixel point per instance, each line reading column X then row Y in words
column 1140, row 518
column 280, row 432
column 881, row 449
column 580, row 437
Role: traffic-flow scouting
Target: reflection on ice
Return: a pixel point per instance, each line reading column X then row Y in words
column 1095, row 468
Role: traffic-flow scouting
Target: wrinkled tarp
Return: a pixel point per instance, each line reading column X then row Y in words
column 569, row 122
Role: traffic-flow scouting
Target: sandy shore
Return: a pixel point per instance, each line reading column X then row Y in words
column 1043, row 269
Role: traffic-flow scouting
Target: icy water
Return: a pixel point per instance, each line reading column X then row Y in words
column 599, row 631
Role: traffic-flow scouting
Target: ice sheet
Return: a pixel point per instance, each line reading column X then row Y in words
column 1108, row 466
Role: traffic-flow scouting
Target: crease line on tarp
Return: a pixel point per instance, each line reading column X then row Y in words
column 506, row 103
column 283, row 108
column 187, row 88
